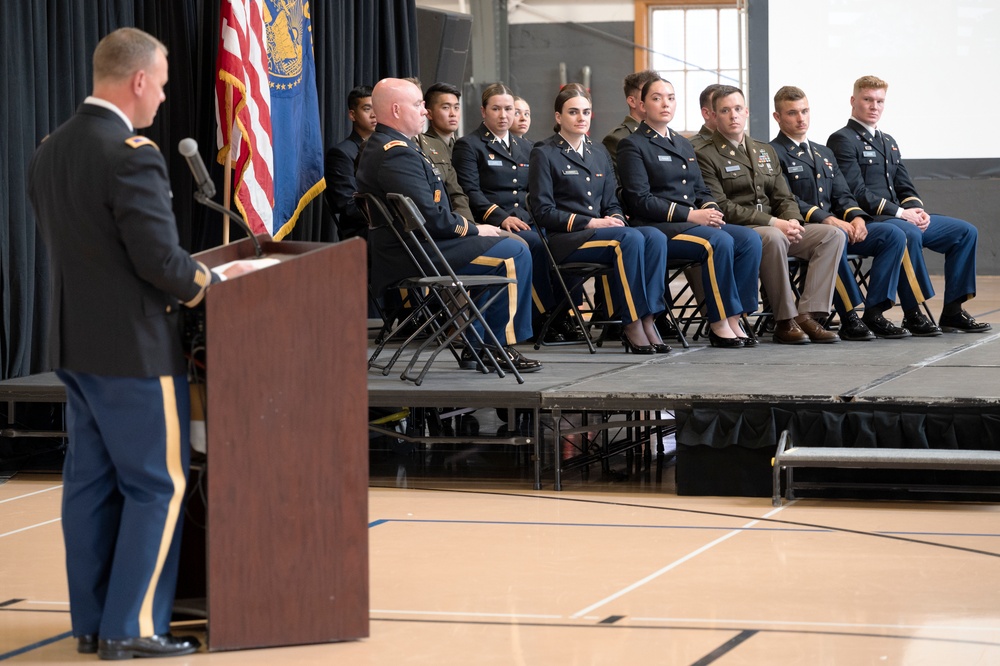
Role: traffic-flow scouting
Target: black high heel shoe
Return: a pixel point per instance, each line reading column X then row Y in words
column 747, row 339
column 723, row 343
column 660, row 347
column 634, row 348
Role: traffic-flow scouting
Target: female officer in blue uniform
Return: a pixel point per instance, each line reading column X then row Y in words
column 492, row 168
column 663, row 188
column 573, row 198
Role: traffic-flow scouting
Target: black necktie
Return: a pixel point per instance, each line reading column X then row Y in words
column 804, row 146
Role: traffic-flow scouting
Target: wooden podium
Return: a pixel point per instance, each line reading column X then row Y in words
column 287, row 447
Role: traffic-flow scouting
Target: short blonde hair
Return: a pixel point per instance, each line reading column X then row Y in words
column 869, row 82
column 122, row 53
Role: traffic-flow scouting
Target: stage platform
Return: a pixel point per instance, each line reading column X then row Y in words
column 952, row 369
column 839, row 394
column 941, row 392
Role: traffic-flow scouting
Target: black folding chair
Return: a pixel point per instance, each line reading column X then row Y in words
column 453, row 292
column 424, row 312
column 577, row 273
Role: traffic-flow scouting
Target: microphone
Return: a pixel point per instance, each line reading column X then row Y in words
column 189, row 149
column 206, row 189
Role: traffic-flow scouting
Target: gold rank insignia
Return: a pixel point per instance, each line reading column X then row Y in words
column 139, row 141
column 437, row 196
column 393, row 144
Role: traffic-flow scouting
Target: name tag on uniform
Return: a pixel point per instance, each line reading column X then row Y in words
column 494, row 162
column 869, row 153
column 733, row 167
column 664, row 158
column 795, row 169
column 571, row 172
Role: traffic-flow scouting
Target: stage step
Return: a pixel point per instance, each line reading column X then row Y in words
column 789, row 456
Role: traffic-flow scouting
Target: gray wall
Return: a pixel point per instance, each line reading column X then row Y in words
column 974, row 199
column 536, row 49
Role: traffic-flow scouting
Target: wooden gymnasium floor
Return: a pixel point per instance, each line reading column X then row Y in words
column 485, row 571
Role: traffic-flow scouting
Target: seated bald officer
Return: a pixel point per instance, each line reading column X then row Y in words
column 745, row 178
column 573, row 199
column 823, row 196
column 663, row 188
column 391, row 162
column 492, row 168
column 874, row 170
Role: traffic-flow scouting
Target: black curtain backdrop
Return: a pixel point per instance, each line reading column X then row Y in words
column 48, row 45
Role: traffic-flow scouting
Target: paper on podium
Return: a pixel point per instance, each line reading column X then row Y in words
column 257, row 264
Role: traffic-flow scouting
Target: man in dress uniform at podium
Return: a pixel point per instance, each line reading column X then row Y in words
column 118, row 277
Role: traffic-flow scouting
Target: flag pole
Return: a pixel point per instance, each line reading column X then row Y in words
column 227, row 179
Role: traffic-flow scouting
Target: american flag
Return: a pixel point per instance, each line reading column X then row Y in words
column 244, row 113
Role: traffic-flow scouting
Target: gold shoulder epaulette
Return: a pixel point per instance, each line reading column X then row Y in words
column 393, row 144
column 139, row 141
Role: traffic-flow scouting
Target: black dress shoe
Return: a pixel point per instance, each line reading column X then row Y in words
column 149, row 646
column 963, row 323
column 920, row 325
column 659, row 346
column 86, row 644
column 744, row 337
column 634, row 348
column 566, row 327
column 519, row 361
column 724, row 343
column 883, row 328
column 852, row 329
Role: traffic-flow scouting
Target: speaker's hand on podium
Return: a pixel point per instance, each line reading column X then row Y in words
column 243, row 266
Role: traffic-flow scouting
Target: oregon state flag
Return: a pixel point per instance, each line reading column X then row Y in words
column 295, row 131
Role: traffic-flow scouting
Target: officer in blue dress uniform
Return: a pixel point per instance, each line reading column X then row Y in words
column 662, row 187
column 823, row 196
column 492, row 168
column 339, row 166
column 391, row 162
column 874, row 170
column 118, row 277
column 573, row 199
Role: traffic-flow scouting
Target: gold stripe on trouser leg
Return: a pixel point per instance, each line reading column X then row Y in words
column 176, row 470
column 911, row 277
column 493, row 262
column 405, row 295
column 716, row 294
column 608, row 302
column 537, row 301
column 620, row 262
column 844, row 296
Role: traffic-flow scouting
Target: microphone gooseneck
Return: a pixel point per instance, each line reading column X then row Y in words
column 206, row 189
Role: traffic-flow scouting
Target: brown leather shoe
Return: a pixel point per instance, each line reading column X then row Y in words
column 814, row 330
column 787, row 332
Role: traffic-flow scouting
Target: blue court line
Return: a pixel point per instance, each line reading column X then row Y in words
column 35, row 646
column 383, row 521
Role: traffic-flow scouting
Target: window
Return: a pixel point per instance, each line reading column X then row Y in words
column 692, row 44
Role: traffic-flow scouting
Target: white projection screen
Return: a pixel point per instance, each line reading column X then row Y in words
column 940, row 58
